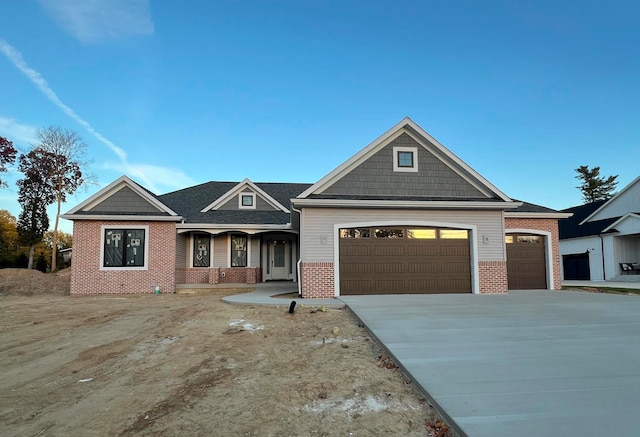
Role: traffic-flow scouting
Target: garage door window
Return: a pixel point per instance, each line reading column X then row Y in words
column 422, row 234
column 355, row 233
column 454, row 234
column 534, row 239
column 389, row 233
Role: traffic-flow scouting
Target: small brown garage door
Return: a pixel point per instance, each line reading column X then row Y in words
column 404, row 260
column 526, row 262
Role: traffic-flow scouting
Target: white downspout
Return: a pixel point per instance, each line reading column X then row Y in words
column 299, row 246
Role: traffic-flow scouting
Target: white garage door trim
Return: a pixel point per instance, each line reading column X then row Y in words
column 548, row 249
column 473, row 236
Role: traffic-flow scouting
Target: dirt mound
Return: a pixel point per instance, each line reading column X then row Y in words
column 25, row 282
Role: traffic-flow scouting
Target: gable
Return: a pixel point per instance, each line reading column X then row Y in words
column 376, row 176
column 122, row 198
column 124, row 201
column 246, row 186
column 233, row 204
column 626, row 201
column 405, row 164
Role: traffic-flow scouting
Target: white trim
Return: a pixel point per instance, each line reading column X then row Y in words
column 480, row 182
column 473, row 236
column 114, row 187
column 605, row 204
column 237, row 189
column 246, row 194
column 620, row 220
column 538, row 215
column 129, row 218
column 103, row 228
column 414, row 159
column 215, row 229
column 548, row 243
column 402, row 204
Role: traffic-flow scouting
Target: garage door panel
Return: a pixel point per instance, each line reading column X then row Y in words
column 423, row 250
column 393, row 250
column 389, row 268
column 355, row 250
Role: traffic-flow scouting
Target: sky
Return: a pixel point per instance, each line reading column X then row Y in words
column 173, row 94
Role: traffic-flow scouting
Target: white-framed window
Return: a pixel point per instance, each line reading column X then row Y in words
column 124, row 247
column 405, row 159
column 247, row 200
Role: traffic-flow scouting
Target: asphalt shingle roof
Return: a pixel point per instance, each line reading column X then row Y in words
column 188, row 203
column 571, row 228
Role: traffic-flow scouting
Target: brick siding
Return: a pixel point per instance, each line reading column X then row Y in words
column 548, row 225
column 492, row 276
column 87, row 278
column 317, row 280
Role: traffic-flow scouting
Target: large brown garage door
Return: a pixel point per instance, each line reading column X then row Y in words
column 402, row 259
column 526, row 262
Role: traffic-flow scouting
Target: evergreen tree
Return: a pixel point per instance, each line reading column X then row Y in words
column 595, row 187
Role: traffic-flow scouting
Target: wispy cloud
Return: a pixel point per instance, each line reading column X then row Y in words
column 146, row 174
column 94, row 21
column 16, row 58
column 22, row 135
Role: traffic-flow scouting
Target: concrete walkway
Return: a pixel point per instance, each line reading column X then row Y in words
column 605, row 284
column 527, row 363
column 266, row 293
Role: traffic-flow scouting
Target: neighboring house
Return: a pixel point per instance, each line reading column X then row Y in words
column 601, row 241
column 403, row 215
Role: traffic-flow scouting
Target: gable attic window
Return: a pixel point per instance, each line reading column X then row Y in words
column 247, row 201
column 124, row 248
column 405, row 159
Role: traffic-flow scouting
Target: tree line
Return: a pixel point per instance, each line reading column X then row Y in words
column 52, row 170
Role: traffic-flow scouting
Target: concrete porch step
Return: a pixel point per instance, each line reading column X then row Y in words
column 627, row 278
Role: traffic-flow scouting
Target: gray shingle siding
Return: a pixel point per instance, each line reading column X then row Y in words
column 375, row 177
column 233, row 204
column 125, row 201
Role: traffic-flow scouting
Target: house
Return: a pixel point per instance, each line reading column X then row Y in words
column 403, row 215
column 601, row 241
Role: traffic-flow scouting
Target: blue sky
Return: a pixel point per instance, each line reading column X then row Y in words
column 178, row 93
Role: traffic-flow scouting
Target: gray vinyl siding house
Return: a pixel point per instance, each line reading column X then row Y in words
column 403, row 215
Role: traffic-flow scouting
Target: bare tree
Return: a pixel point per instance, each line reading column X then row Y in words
column 7, row 156
column 65, row 175
column 35, row 193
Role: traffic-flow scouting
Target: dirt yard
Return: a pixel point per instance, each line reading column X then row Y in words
column 167, row 365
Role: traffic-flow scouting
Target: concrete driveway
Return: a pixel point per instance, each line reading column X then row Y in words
column 528, row 363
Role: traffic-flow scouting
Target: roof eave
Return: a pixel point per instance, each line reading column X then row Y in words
column 403, row 204
column 121, row 217
column 551, row 215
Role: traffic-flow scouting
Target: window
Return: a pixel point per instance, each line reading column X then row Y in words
column 454, row 234
column 405, row 159
column 201, row 250
column 389, row 233
column 238, row 251
column 124, row 248
column 247, row 201
column 355, row 233
column 421, row 234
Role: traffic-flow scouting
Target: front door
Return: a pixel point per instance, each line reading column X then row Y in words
column 279, row 253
